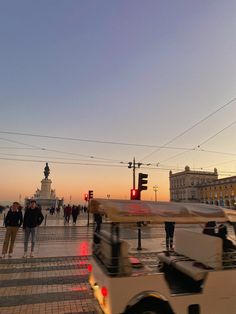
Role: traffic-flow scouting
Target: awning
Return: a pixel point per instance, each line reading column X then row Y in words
column 160, row 212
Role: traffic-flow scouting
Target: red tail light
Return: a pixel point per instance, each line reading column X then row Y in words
column 104, row 291
column 90, row 267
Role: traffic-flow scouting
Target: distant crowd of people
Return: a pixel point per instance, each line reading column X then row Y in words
column 67, row 209
column 73, row 211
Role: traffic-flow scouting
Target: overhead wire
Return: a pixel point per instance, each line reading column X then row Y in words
column 190, row 128
column 48, row 157
column 94, row 164
column 61, row 162
column 220, row 163
column 89, row 140
column 22, row 148
column 211, row 137
column 216, row 152
column 196, row 148
column 56, row 151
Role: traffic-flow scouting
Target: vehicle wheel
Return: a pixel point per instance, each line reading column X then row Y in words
column 147, row 308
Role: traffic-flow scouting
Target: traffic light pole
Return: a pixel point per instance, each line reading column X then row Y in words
column 90, row 196
column 88, row 217
column 134, row 173
column 133, row 165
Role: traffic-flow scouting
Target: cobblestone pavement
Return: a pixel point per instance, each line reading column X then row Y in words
column 56, row 281
column 46, row 285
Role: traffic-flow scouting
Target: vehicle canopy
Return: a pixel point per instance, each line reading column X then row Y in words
column 160, row 212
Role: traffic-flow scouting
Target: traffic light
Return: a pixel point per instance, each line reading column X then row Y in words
column 134, row 194
column 90, row 194
column 86, row 197
column 142, row 181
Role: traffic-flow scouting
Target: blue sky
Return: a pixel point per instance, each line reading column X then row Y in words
column 123, row 71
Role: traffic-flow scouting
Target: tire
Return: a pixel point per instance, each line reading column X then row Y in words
column 146, row 308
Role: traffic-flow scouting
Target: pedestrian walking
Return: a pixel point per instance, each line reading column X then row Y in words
column 75, row 213
column 13, row 221
column 32, row 219
column 170, row 229
column 98, row 222
column 67, row 213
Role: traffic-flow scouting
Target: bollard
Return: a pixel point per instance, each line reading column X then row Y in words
column 88, row 220
column 139, row 248
column 45, row 220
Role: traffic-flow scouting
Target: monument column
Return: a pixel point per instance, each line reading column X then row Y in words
column 46, row 188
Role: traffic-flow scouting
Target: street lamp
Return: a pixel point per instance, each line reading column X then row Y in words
column 155, row 189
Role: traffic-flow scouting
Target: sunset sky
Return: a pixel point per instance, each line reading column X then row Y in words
column 106, row 81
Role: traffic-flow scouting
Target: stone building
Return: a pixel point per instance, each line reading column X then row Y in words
column 220, row 192
column 202, row 186
column 184, row 185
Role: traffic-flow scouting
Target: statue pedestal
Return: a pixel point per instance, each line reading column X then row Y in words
column 46, row 189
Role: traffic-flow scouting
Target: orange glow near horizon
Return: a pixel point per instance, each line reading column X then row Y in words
column 72, row 182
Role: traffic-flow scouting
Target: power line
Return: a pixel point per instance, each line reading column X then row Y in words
column 101, row 165
column 190, row 128
column 112, row 160
column 99, row 159
column 198, row 146
column 211, row 137
column 61, row 162
column 57, row 151
column 8, row 147
column 48, row 157
column 216, row 152
column 17, row 142
column 87, row 140
column 220, row 163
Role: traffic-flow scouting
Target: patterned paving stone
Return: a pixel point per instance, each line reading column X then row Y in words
column 46, row 285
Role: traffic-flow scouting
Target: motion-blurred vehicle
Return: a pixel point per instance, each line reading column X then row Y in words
column 196, row 277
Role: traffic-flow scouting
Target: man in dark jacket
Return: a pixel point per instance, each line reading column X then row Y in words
column 75, row 213
column 32, row 219
column 13, row 221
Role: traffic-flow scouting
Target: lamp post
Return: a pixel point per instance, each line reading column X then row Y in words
column 155, row 189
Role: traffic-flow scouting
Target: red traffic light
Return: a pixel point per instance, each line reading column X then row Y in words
column 134, row 194
column 86, row 197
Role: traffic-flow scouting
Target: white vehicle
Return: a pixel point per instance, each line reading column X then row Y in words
column 195, row 278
